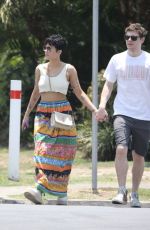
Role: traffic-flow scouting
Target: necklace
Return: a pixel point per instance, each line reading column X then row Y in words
column 54, row 72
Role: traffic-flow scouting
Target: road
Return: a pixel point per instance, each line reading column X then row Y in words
column 47, row 217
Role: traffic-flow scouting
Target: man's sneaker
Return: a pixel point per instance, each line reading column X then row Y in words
column 134, row 201
column 62, row 200
column 121, row 197
column 34, row 195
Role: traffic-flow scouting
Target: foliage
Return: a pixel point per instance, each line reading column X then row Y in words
column 114, row 17
column 106, row 145
column 105, row 148
column 25, row 24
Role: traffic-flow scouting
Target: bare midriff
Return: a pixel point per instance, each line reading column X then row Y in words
column 52, row 96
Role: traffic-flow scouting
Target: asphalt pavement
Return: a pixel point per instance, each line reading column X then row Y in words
column 72, row 217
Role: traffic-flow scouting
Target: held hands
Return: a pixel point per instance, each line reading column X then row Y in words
column 101, row 114
column 25, row 123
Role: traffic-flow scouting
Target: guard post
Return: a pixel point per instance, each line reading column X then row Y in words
column 14, row 130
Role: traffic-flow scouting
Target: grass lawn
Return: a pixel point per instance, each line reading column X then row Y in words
column 80, row 186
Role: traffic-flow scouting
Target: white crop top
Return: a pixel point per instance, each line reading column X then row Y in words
column 58, row 83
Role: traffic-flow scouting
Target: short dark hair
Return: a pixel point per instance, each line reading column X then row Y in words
column 57, row 41
column 137, row 27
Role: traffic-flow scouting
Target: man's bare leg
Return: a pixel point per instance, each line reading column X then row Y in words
column 121, row 165
column 137, row 171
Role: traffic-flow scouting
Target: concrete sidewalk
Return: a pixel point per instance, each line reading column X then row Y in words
column 8, row 196
column 48, row 217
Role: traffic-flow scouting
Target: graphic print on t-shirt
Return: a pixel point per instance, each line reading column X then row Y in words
column 134, row 72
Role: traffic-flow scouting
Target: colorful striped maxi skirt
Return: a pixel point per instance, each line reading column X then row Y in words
column 55, row 149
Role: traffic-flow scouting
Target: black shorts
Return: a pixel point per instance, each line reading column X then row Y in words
column 127, row 128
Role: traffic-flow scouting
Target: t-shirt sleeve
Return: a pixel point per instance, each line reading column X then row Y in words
column 110, row 71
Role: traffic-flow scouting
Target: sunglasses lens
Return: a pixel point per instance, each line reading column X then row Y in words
column 126, row 37
column 47, row 48
column 133, row 38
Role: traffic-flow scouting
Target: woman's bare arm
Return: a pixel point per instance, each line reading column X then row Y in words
column 33, row 100
column 80, row 94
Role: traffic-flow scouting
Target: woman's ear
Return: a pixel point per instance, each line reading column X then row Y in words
column 60, row 52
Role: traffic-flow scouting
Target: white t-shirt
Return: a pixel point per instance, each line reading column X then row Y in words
column 132, row 75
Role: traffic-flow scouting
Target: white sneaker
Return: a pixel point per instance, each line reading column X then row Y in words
column 134, row 201
column 121, row 197
column 62, row 200
column 34, row 195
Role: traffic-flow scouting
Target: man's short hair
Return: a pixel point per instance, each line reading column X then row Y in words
column 138, row 28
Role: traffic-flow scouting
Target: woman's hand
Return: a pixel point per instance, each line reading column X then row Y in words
column 101, row 114
column 95, row 112
column 25, row 122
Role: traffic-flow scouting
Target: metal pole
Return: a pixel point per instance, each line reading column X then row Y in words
column 95, row 92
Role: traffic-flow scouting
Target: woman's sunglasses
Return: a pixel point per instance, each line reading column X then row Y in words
column 133, row 38
column 46, row 48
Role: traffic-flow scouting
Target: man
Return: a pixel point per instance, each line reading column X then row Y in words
column 131, row 71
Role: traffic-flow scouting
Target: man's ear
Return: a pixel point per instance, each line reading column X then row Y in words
column 142, row 40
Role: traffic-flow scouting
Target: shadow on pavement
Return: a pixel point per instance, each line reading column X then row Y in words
column 74, row 203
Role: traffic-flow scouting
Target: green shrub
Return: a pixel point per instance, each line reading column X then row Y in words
column 106, row 144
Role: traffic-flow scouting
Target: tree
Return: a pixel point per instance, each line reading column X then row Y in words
column 25, row 24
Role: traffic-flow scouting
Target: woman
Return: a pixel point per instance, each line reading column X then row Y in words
column 55, row 148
